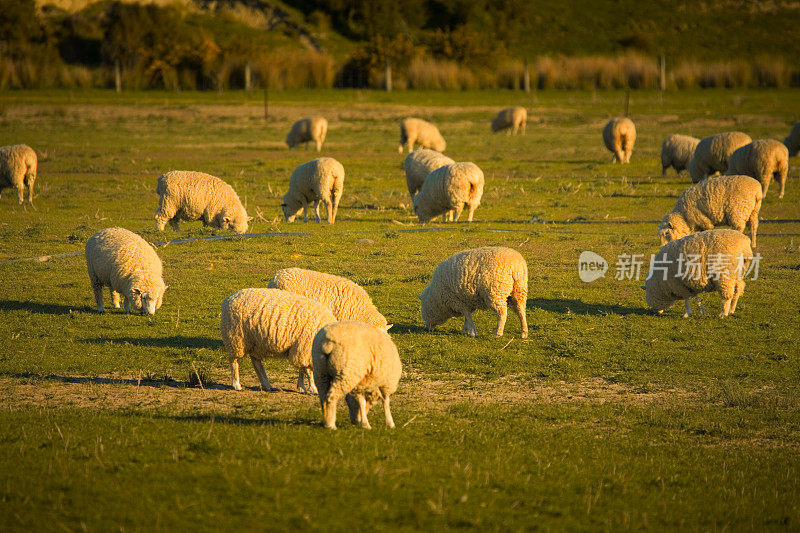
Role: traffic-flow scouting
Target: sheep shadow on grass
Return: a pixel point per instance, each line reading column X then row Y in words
column 579, row 307
column 44, row 308
column 175, row 341
column 144, row 381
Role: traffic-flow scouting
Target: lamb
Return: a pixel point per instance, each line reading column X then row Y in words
column 510, row 117
column 128, row 266
column 481, row 278
column 676, row 152
column 712, row 153
column 762, row 159
column 792, row 141
column 271, row 323
column 306, row 130
column 418, row 131
column 187, row 195
column 731, row 200
column 419, row 164
column 345, row 299
column 713, row 260
column 447, row 190
column 318, row 180
column 619, row 135
column 18, row 164
column 358, row 361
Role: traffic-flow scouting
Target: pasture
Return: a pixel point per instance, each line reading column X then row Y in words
column 606, row 417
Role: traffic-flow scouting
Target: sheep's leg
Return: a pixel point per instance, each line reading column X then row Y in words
column 312, row 387
column 335, row 207
column 316, row 210
column 21, row 192
column 753, row 228
column 115, row 298
column 457, row 212
column 524, row 126
column 353, row 409
column 470, row 212
column 235, row 375
column 301, row 387
column 726, row 308
column 98, row 297
column 174, row 223
column 519, row 307
column 700, row 307
column 362, row 408
column 688, row 312
column 305, row 213
column 329, row 411
column 738, row 290
column 501, row 313
column 319, row 146
column 387, row 413
column 127, row 304
column 258, row 366
column 469, row 326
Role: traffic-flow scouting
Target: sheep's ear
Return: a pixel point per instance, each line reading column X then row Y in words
column 388, row 327
column 226, row 219
column 166, row 287
column 137, row 291
column 249, row 219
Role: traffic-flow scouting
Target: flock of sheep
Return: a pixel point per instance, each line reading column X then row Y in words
column 328, row 327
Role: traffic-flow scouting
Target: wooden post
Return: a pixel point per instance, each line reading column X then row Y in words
column 247, row 80
column 662, row 73
column 117, row 76
column 627, row 99
column 388, row 76
column 266, row 96
column 526, row 78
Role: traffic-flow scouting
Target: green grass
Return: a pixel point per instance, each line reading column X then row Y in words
column 607, row 416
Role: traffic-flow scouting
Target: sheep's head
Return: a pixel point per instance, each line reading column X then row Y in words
column 148, row 300
column 422, row 214
column 672, row 227
column 289, row 212
column 440, row 145
column 291, row 140
column 433, row 314
column 237, row 224
column 656, row 295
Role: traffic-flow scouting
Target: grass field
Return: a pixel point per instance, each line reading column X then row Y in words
column 606, row 417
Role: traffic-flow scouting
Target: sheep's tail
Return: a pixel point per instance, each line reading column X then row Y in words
column 519, row 291
column 475, row 189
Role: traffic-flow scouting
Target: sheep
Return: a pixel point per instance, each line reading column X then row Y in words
column 358, row 361
column 712, row 260
column 418, row 131
column 271, row 323
column 18, row 164
column 762, row 159
column 792, row 141
column 510, row 117
column 306, row 130
column 419, row 164
column 712, row 153
column 318, row 180
column 345, row 299
column 676, row 152
column 480, row 278
column 731, row 200
column 619, row 135
column 447, row 190
column 128, row 266
column 187, row 195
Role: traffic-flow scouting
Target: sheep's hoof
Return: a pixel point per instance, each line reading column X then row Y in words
column 686, row 315
column 524, row 334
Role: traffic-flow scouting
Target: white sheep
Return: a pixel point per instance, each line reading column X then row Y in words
column 345, row 299
column 619, row 135
column 792, row 141
column 417, row 131
column 447, row 190
column 18, row 164
column 762, row 159
column 129, row 266
column 419, row 164
column 481, row 278
column 271, row 323
column 731, row 200
column 712, row 153
column 514, row 117
column 713, row 260
column 318, row 180
column 188, row 195
column 359, row 362
column 676, row 152
column 306, row 130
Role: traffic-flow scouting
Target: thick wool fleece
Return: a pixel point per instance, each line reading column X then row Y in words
column 447, row 190
column 419, row 164
column 417, row 131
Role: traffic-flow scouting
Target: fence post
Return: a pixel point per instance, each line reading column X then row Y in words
column 662, row 73
column 117, row 76
column 266, row 96
column 388, row 76
column 526, row 78
column 247, row 79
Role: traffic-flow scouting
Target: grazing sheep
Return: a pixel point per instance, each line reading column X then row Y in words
column 731, row 200
column 271, row 323
column 418, row 131
column 447, row 190
column 676, row 152
column 792, row 142
column 619, row 135
column 510, row 117
column 18, row 164
column 306, row 130
column 762, row 159
column 360, row 362
column 419, row 164
column 481, row 278
column 345, row 299
column 713, row 260
column 128, row 266
column 318, row 180
column 712, row 153
column 187, row 195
